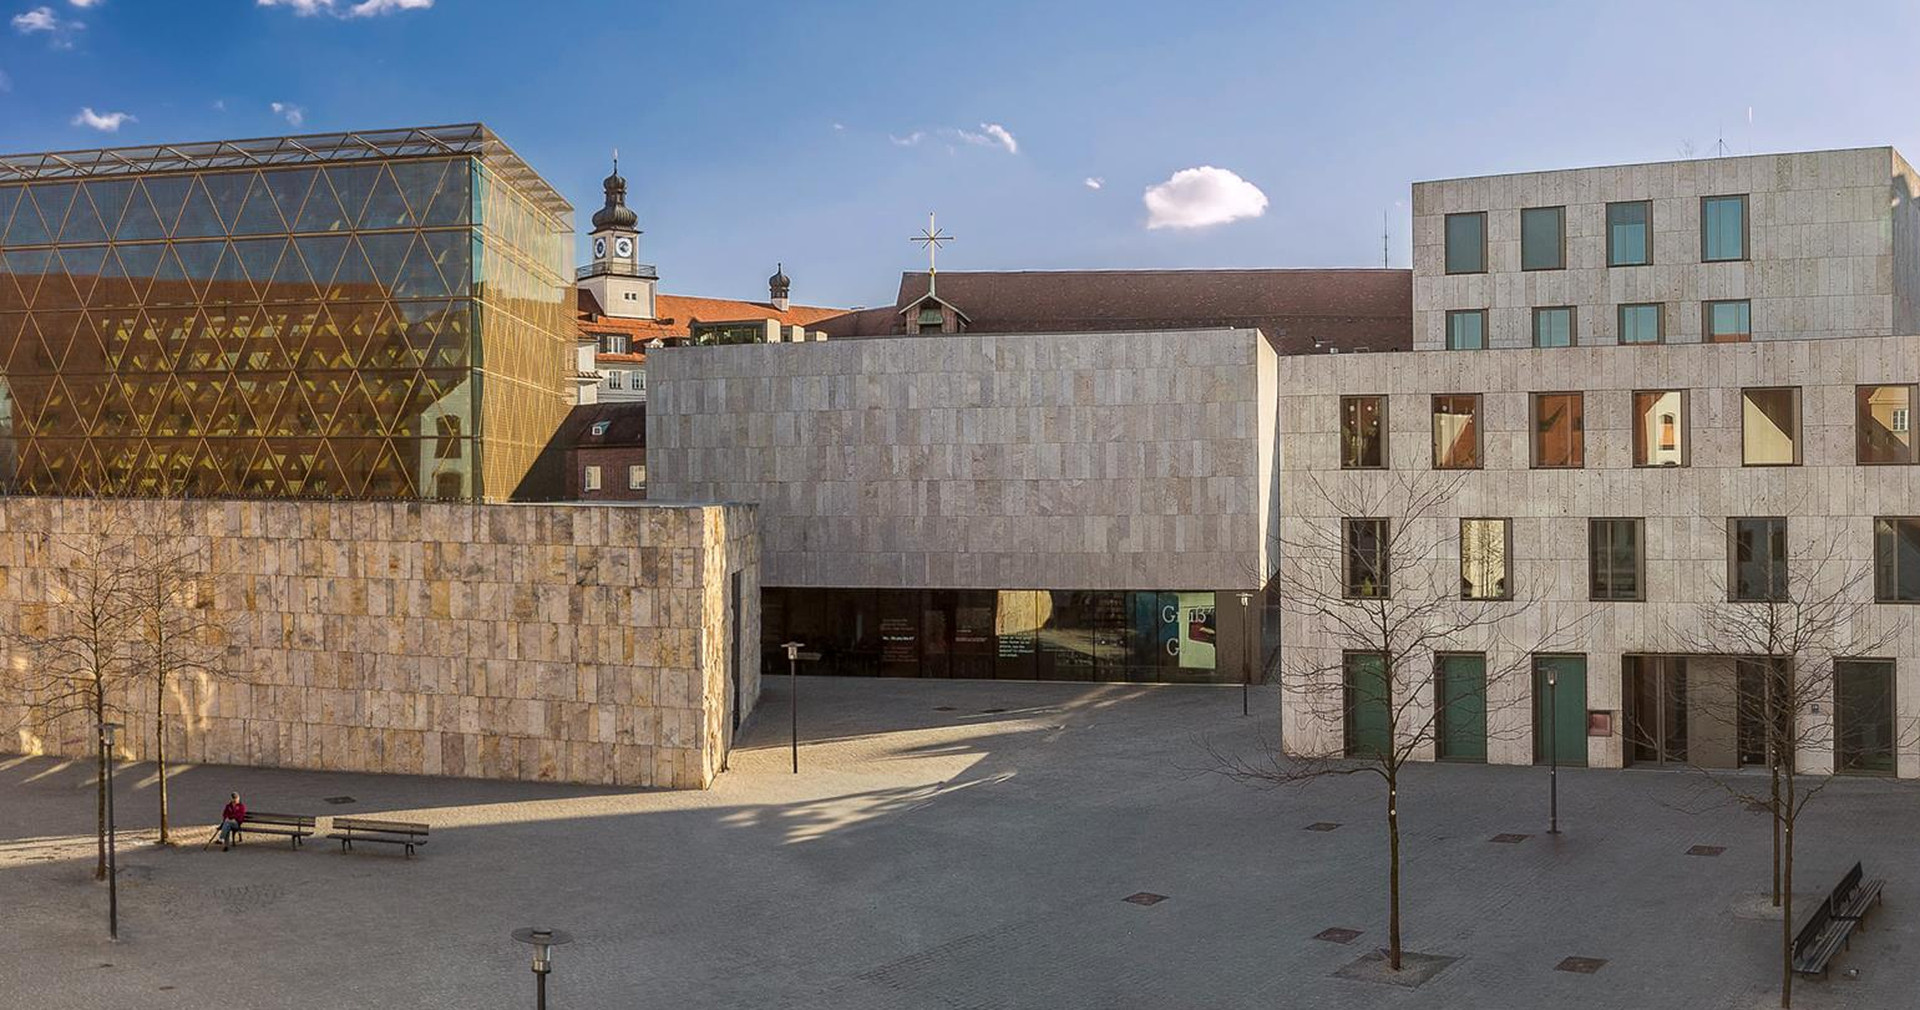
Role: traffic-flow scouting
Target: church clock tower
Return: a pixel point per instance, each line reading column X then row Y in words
column 622, row 284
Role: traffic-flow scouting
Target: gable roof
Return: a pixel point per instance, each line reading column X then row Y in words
column 674, row 315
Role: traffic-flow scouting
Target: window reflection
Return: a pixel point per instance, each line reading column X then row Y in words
column 1659, row 427
column 1770, row 426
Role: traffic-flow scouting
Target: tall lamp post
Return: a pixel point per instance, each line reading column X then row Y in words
column 543, row 941
column 793, row 699
column 108, row 732
column 1246, row 654
column 1553, row 751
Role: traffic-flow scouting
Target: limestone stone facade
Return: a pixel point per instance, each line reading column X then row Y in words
column 601, row 644
column 1833, row 236
column 1685, row 508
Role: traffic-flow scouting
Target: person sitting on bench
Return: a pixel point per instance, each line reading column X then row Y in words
column 231, row 817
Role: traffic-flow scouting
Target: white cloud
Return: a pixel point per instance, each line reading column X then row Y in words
column 362, row 9
column 1094, row 182
column 105, row 122
column 1198, row 197
column 293, row 114
column 84, row 4
column 6, row 83
column 219, row 105
column 39, row 19
column 909, row 140
column 839, row 127
column 991, row 135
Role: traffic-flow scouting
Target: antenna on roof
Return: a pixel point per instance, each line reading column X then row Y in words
column 1383, row 238
column 931, row 237
column 616, row 161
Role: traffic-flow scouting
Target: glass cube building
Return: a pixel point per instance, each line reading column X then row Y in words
column 351, row 315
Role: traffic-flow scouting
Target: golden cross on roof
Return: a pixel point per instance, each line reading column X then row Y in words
column 931, row 237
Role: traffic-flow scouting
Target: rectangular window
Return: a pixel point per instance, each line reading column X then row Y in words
column 1553, row 327
column 1723, row 228
column 1880, row 423
column 1543, row 238
column 1629, row 234
column 1770, row 426
column 613, row 379
column 1559, row 430
column 1865, row 701
column 1484, row 545
column 1368, row 724
column 1757, row 559
column 1467, row 330
column 1660, row 427
column 1896, row 560
column 1363, row 432
column 1614, row 559
column 590, row 479
column 1461, row 703
column 636, row 476
column 1456, row 431
column 1367, row 559
column 1643, row 324
column 1727, row 322
column 1466, row 243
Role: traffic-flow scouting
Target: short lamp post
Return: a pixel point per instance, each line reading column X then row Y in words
column 793, row 699
column 1553, row 752
column 1246, row 653
column 543, row 941
column 109, row 732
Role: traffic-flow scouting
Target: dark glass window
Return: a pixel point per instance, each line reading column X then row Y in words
column 1866, row 703
column 1757, row 551
column 1367, row 559
column 1770, row 426
column 1629, row 234
column 1729, row 322
column 1553, row 327
column 1883, row 421
column 1559, row 430
column 1723, row 228
column 1642, row 324
column 1484, row 571
column 1466, row 243
column 1614, row 559
column 1467, row 330
column 1896, row 560
column 1456, row 431
column 1543, row 238
column 1363, row 432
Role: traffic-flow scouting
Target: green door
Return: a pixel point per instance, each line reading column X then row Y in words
column 1463, row 707
column 1560, row 711
column 1369, row 729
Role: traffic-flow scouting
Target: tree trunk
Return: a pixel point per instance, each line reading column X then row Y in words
column 1786, row 915
column 1773, row 811
column 1393, row 873
column 100, row 779
column 160, row 748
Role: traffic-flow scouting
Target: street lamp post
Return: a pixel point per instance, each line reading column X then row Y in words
column 1553, row 752
column 793, row 699
column 1246, row 654
column 543, row 941
column 108, row 732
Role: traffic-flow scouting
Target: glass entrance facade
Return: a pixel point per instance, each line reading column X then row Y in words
column 1146, row 636
column 347, row 315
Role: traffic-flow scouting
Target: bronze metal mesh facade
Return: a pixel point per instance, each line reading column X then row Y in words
column 334, row 316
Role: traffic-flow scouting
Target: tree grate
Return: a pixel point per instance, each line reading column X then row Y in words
column 338, row 800
column 1706, row 850
column 1322, row 826
column 1508, row 838
column 1338, row 934
column 1580, row 965
column 1145, row 898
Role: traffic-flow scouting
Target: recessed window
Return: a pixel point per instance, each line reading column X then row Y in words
column 1629, row 234
column 1723, row 228
column 1864, row 703
column 613, row 379
column 1729, row 322
column 1456, row 431
column 1363, row 432
column 1660, row 427
column 1896, row 560
column 1466, row 243
column 1642, row 324
column 1467, row 330
column 1770, row 426
column 1757, row 559
column 1559, row 430
column 1614, row 559
column 636, row 476
column 1484, row 547
column 590, row 479
column 930, row 316
column 1883, row 417
column 1553, row 327
column 1543, row 238
column 1367, row 558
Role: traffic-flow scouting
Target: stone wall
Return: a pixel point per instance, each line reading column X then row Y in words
column 574, row 643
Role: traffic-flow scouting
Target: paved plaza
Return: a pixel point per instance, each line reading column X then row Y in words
column 946, row 845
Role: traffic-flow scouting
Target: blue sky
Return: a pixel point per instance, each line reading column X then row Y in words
column 820, row 133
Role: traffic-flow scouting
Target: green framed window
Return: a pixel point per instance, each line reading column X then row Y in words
column 1543, row 238
column 1642, row 323
column 1466, row 243
column 1553, row 326
column 1630, row 234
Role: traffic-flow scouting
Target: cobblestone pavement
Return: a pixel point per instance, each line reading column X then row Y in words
column 946, row 845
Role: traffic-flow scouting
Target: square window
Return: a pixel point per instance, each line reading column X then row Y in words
column 1553, row 327
column 1367, row 559
column 1456, row 431
column 1896, row 560
column 1757, row 559
column 1629, row 234
column 1723, row 228
column 1484, row 548
column 1881, row 424
column 1614, row 559
column 1660, row 427
column 1466, row 238
column 1559, row 430
column 1543, row 238
column 1642, row 324
column 1770, row 426
column 1363, row 432
column 1728, row 322
column 1467, row 330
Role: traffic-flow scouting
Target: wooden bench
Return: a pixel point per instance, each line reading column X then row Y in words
column 1830, row 928
column 296, row 827
column 360, row 829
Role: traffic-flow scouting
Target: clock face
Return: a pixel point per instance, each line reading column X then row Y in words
column 623, row 245
column 599, row 248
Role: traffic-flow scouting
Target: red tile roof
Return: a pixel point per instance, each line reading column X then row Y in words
column 674, row 315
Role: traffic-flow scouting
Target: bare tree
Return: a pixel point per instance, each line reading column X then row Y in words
column 1788, row 624
column 1373, row 584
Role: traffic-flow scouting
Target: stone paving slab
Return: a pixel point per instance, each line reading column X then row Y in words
column 956, row 858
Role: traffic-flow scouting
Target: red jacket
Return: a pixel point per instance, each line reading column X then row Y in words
column 235, row 812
